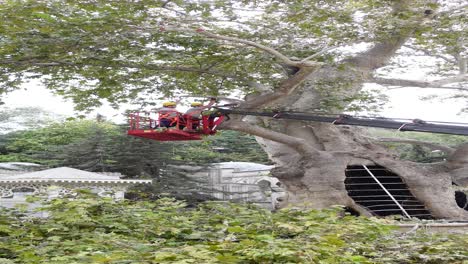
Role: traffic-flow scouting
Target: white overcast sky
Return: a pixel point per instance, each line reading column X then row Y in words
column 39, row 96
column 404, row 103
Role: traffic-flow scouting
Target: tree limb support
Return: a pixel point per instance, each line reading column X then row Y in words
column 430, row 145
column 423, row 84
column 300, row 145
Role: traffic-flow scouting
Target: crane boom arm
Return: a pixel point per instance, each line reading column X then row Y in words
column 416, row 125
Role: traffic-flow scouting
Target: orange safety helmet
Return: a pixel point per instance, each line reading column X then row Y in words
column 169, row 104
column 195, row 104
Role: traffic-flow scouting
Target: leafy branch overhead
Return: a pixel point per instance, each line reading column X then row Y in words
column 125, row 52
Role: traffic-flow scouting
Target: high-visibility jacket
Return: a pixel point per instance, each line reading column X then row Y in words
column 167, row 113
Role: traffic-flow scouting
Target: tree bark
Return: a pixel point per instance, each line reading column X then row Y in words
column 316, row 178
column 311, row 158
column 318, row 181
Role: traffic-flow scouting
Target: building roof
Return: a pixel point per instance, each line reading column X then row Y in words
column 65, row 174
column 18, row 166
column 243, row 166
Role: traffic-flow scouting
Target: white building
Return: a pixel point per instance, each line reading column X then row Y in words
column 52, row 183
column 227, row 181
column 239, row 182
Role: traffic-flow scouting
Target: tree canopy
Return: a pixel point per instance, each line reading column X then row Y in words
column 75, row 142
column 88, row 229
column 125, row 51
column 103, row 146
column 278, row 55
column 19, row 118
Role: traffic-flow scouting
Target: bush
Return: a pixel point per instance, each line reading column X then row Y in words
column 96, row 230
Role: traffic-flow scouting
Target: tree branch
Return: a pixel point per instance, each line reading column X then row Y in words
column 284, row 89
column 259, row 87
column 462, row 64
column 318, row 53
column 117, row 64
column 422, row 84
column 428, row 53
column 452, row 11
column 259, row 46
column 379, row 55
column 300, row 145
column 459, row 158
column 430, row 145
column 163, row 5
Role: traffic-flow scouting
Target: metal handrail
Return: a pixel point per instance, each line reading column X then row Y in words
column 386, row 191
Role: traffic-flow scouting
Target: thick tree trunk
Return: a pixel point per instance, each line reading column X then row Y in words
column 319, row 181
column 311, row 158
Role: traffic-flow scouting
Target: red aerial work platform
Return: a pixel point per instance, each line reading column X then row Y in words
column 148, row 125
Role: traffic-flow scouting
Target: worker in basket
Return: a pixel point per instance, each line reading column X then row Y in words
column 168, row 115
column 194, row 114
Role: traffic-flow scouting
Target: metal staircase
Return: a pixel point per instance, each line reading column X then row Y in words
column 382, row 192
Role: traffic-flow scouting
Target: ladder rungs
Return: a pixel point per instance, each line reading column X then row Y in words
column 396, row 195
column 373, row 169
column 369, row 177
column 378, row 190
column 387, row 210
column 398, row 209
column 380, row 205
column 373, row 183
column 422, row 215
column 400, row 201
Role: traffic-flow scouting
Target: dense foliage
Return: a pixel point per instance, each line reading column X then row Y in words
column 121, row 52
column 223, row 147
column 18, row 118
column 102, row 146
column 25, row 145
column 92, row 230
column 77, row 143
column 415, row 152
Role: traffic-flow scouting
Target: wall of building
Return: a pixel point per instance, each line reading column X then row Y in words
column 231, row 184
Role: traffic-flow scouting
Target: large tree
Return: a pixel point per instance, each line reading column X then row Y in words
column 290, row 55
column 18, row 118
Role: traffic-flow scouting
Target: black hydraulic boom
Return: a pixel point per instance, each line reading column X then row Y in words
column 416, row 125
